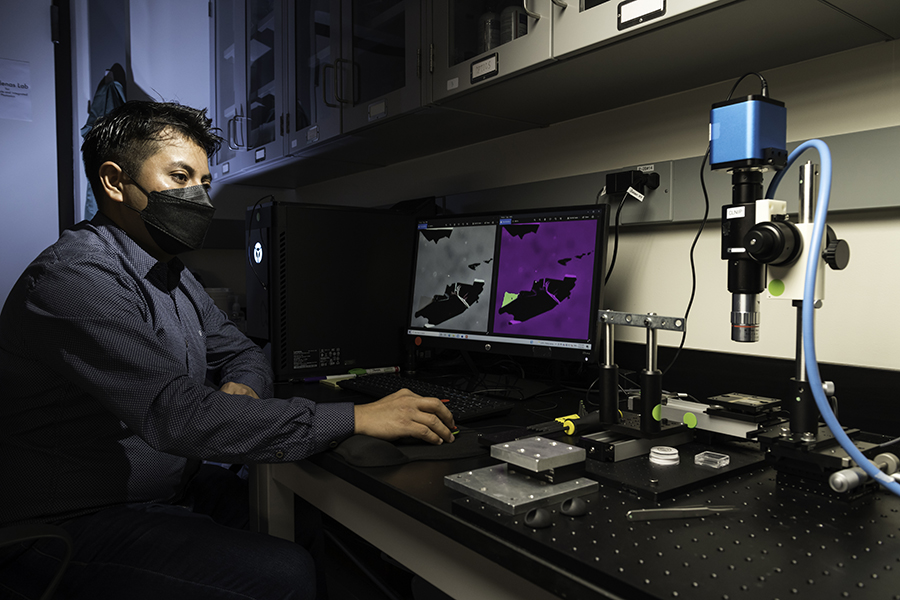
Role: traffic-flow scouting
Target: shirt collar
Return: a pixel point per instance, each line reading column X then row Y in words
column 165, row 276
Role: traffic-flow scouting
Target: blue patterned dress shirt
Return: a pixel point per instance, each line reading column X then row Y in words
column 110, row 364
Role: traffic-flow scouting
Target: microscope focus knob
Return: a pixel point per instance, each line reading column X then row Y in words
column 837, row 252
column 773, row 242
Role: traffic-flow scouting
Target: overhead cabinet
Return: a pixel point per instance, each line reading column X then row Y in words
column 313, row 111
column 379, row 62
column 227, row 80
column 350, row 63
column 582, row 25
column 306, row 90
column 613, row 53
column 476, row 42
column 292, row 75
column 247, row 68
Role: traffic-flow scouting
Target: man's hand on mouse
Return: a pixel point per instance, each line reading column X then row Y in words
column 405, row 414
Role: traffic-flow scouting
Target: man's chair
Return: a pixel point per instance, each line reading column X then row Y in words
column 15, row 534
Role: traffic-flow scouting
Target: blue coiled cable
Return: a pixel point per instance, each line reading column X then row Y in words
column 807, row 316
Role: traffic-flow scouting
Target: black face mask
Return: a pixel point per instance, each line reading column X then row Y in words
column 178, row 218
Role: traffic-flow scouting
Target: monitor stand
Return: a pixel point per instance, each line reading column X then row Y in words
column 509, row 386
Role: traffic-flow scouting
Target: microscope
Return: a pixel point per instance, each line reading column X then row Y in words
column 766, row 252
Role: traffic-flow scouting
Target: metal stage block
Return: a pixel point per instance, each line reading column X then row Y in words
column 538, row 453
column 512, row 492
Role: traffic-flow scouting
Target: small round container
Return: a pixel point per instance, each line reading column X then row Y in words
column 664, row 455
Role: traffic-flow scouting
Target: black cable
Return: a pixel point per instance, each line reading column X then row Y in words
column 587, row 393
column 612, row 261
column 15, row 534
column 762, row 81
column 764, row 92
column 687, row 311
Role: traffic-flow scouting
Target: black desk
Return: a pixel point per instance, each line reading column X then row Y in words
column 778, row 544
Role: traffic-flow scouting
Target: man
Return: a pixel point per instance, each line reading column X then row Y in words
column 107, row 350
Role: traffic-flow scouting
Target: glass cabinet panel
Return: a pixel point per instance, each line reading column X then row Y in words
column 379, row 66
column 314, row 47
column 379, row 48
column 476, row 27
column 227, row 65
column 248, row 82
column 262, row 85
column 479, row 41
column 292, row 73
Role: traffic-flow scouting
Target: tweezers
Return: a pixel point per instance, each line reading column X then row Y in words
column 675, row 512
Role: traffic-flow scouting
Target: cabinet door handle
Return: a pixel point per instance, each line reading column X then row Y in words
column 229, row 134
column 560, row 3
column 239, row 133
column 233, row 132
column 325, row 85
column 529, row 12
column 340, row 98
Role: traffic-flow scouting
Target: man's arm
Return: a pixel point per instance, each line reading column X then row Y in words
column 109, row 345
column 402, row 414
column 232, row 358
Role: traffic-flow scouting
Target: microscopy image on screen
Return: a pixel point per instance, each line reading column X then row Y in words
column 545, row 276
column 453, row 278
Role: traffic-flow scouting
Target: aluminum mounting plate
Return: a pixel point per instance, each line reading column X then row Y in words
column 514, row 493
column 538, row 453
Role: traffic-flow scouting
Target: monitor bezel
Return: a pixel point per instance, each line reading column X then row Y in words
column 505, row 344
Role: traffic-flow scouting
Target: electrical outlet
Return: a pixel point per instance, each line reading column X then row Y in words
column 656, row 205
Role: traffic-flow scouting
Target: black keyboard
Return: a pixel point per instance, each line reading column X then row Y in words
column 465, row 406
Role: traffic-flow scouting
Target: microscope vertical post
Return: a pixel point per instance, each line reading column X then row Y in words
column 651, row 385
column 609, row 377
column 803, row 410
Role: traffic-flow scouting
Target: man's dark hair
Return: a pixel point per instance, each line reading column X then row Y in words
column 133, row 132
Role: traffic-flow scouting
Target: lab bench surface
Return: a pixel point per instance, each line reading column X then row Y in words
column 775, row 543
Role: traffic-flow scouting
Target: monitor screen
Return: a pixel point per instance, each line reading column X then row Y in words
column 526, row 283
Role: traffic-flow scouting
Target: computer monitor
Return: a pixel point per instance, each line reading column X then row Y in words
column 524, row 283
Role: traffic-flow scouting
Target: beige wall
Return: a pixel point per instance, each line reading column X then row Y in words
column 854, row 91
column 652, row 274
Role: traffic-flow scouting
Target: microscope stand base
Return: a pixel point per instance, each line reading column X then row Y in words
column 805, row 466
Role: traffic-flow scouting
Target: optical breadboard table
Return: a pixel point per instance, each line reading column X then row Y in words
column 774, row 544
